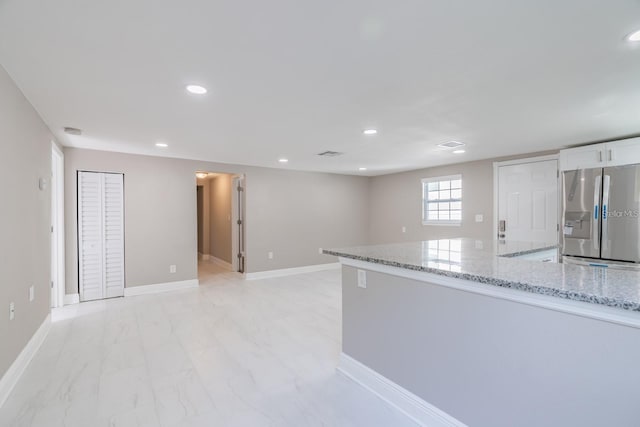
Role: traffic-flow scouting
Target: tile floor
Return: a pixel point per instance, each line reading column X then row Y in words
column 230, row 353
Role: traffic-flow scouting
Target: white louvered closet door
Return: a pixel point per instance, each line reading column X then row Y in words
column 101, row 235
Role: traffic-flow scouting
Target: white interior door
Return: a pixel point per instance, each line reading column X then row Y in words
column 528, row 201
column 113, row 233
column 100, row 235
column 237, row 224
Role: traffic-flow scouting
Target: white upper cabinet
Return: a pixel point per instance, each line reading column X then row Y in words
column 589, row 156
column 615, row 153
column 625, row 152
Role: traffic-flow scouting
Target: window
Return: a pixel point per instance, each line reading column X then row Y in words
column 442, row 200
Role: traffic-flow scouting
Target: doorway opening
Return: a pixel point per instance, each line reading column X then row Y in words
column 220, row 223
column 57, row 227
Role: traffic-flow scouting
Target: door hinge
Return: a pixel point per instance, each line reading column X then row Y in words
column 557, row 227
column 52, row 283
column 558, row 174
column 239, row 222
column 240, row 188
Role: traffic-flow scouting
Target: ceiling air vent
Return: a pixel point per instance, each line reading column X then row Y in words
column 72, row 131
column 329, row 154
column 451, row 144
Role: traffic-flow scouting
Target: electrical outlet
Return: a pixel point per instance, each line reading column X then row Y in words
column 479, row 218
column 172, row 268
column 320, row 251
column 32, row 294
column 12, row 310
column 362, row 279
column 270, row 255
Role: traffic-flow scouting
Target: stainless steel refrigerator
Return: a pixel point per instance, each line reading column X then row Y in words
column 601, row 216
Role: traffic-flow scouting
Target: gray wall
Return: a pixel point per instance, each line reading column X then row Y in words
column 160, row 215
column 455, row 350
column 220, row 212
column 396, row 201
column 25, row 217
column 289, row 213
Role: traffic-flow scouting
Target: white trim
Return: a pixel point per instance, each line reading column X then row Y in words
column 71, row 299
column 57, row 235
column 450, row 223
column 220, row 262
column 496, row 165
column 291, row 271
column 420, row 411
column 15, row 371
column 160, row 287
column 563, row 305
column 204, row 257
column 527, row 160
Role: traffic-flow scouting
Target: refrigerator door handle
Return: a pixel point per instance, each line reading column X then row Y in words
column 596, row 206
column 605, row 214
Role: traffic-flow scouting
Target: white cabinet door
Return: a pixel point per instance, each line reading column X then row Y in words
column 528, row 201
column 113, row 235
column 587, row 157
column 624, row 152
column 100, row 235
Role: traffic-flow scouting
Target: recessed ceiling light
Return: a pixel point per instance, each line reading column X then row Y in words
column 362, row 169
column 369, row 131
column 458, row 151
column 196, row 89
column 634, row 37
column 201, row 175
column 283, row 160
column 161, row 145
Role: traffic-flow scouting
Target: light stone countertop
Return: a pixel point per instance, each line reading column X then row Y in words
column 496, row 263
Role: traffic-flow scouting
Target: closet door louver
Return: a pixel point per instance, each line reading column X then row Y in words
column 100, row 235
column 113, row 235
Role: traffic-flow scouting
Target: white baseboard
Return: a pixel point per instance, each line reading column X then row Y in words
column 160, row 287
column 423, row 413
column 220, row 262
column 291, row 271
column 15, row 371
column 71, row 299
column 204, row 257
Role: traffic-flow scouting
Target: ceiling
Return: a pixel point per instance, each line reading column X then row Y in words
column 290, row 78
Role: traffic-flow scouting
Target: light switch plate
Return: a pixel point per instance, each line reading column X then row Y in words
column 172, row 268
column 32, row 294
column 362, row 279
column 479, row 218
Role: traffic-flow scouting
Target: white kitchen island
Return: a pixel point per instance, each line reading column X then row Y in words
column 463, row 332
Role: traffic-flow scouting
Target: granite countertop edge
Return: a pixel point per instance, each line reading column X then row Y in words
column 542, row 290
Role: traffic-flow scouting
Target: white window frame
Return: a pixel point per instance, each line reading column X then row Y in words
column 425, row 201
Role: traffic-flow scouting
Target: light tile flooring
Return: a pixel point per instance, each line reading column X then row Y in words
column 230, row 353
